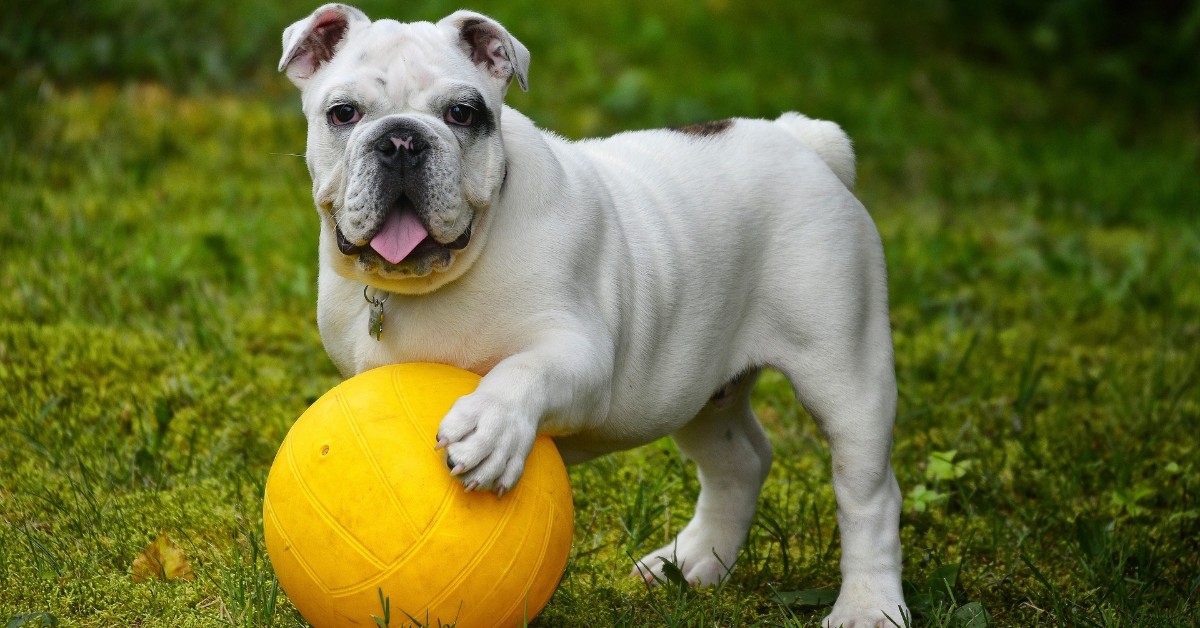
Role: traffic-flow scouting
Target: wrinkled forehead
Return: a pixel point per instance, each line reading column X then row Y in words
column 418, row 53
column 402, row 59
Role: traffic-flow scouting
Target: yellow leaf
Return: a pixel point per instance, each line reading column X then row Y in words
column 162, row 560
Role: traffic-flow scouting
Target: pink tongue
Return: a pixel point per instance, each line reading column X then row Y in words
column 401, row 234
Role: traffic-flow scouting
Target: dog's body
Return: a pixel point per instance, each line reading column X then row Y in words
column 611, row 291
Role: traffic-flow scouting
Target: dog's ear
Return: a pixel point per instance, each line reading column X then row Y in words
column 487, row 44
column 313, row 41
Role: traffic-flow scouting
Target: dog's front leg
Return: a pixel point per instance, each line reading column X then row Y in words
column 552, row 387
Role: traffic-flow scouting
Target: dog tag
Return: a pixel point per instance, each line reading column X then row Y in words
column 375, row 324
column 375, row 320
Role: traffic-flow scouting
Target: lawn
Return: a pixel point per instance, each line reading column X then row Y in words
column 1041, row 223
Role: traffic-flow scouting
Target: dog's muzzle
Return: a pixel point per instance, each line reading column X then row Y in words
column 428, row 243
column 401, row 154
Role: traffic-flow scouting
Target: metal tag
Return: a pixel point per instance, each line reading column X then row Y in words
column 375, row 320
column 375, row 324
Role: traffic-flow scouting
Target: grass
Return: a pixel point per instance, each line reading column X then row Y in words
column 157, row 331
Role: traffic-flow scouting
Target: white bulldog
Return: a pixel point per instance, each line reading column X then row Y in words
column 611, row 292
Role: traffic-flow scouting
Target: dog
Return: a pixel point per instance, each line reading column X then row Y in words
column 611, row 291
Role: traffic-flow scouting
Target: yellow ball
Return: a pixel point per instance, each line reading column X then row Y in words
column 358, row 502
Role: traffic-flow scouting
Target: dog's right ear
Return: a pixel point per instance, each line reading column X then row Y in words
column 313, row 41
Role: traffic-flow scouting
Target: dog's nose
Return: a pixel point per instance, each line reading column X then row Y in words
column 400, row 149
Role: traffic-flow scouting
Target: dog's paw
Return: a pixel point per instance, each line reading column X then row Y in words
column 858, row 612
column 486, row 442
column 703, row 554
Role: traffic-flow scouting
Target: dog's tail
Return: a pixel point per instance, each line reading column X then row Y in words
column 828, row 140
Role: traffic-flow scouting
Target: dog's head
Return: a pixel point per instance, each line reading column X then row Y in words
column 404, row 143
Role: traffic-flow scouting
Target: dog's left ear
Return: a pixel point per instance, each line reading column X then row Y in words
column 486, row 43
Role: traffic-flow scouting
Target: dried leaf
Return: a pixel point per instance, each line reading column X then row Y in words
column 161, row 560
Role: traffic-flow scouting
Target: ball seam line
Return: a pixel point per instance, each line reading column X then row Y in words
column 323, row 512
column 287, row 543
column 376, row 469
column 474, row 562
column 537, row 566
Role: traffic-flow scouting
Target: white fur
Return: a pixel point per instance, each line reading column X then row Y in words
column 613, row 286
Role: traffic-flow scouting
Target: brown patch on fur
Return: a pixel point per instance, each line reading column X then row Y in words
column 705, row 129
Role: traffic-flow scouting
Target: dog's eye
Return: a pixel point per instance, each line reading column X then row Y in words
column 340, row 115
column 460, row 115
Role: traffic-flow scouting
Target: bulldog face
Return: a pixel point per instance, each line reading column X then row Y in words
column 404, row 144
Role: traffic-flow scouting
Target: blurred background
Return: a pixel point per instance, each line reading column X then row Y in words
column 914, row 82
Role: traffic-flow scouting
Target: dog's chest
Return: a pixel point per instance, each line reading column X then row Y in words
column 410, row 330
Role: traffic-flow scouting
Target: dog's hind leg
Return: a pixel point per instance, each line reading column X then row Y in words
column 732, row 456
column 844, row 376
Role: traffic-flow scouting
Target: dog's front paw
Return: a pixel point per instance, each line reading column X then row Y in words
column 865, row 607
column 486, row 441
column 703, row 552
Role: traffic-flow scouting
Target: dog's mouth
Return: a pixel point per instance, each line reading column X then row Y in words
column 402, row 236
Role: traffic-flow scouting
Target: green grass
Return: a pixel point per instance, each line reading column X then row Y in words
column 157, row 330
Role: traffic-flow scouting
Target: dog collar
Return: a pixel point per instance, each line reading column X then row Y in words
column 375, row 320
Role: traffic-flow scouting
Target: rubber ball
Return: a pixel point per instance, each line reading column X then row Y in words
column 362, row 519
